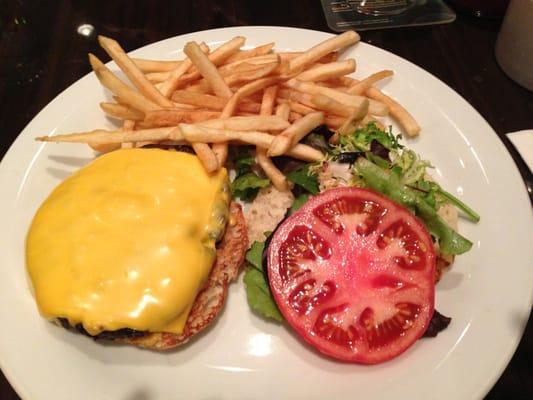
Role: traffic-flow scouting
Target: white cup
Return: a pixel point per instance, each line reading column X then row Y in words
column 514, row 47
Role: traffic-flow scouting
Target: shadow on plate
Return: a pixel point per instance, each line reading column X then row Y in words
column 292, row 342
column 140, row 394
column 123, row 354
column 450, row 280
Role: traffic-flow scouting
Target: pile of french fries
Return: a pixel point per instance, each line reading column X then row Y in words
column 224, row 96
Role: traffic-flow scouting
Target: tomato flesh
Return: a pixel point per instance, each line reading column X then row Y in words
column 352, row 272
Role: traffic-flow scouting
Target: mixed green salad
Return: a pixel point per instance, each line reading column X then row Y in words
column 377, row 160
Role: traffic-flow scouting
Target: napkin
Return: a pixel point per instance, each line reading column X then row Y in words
column 523, row 141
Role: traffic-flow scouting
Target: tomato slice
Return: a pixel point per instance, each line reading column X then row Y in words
column 353, row 273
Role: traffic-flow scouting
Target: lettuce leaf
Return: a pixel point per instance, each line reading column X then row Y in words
column 298, row 202
column 305, row 179
column 246, row 186
column 258, row 291
column 258, row 295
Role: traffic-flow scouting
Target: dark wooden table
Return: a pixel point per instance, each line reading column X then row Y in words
column 41, row 54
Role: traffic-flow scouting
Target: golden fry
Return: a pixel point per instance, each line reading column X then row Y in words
column 294, row 133
column 397, row 111
column 121, row 111
column 126, row 94
column 149, row 66
column 250, row 53
column 133, row 73
column 320, row 50
column 171, row 117
column 283, row 110
column 323, row 72
column 362, row 86
column 375, row 107
column 171, row 83
column 101, row 136
column 250, row 123
column 207, row 69
column 195, row 133
column 271, row 171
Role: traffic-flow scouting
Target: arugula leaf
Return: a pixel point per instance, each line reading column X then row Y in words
column 317, row 141
column 361, row 139
column 246, row 186
column 471, row 214
column 298, row 202
column 258, row 295
column 389, row 183
column 305, row 179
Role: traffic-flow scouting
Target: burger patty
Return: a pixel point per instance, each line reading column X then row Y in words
column 230, row 255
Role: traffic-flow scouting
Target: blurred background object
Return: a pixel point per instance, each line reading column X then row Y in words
column 383, row 7
column 378, row 14
column 480, row 8
column 514, row 47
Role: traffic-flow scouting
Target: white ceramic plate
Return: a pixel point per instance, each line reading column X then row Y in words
column 488, row 292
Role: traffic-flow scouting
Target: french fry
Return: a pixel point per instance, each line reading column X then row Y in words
column 221, row 149
column 323, row 72
column 211, row 102
column 246, row 91
column 294, row 116
column 171, row 83
column 290, row 55
column 183, row 106
column 133, row 73
column 251, row 123
column 126, row 94
column 349, row 124
column 121, row 111
column 174, row 101
column 269, row 100
column 149, row 66
column 170, row 117
column 333, row 122
column 299, row 108
column 157, row 77
column 257, row 61
column 329, row 105
column 294, row 95
column 320, row 50
column 283, row 110
column 362, row 86
column 375, row 107
column 101, row 136
column 293, row 134
column 271, row 171
column 246, row 66
column 397, row 111
column 207, row 69
column 206, row 156
column 225, row 51
column 195, row 133
column 217, row 57
column 253, row 74
column 250, row 53
column 199, row 99
column 107, row 147
column 128, row 125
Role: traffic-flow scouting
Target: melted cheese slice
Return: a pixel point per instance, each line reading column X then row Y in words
column 127, row 241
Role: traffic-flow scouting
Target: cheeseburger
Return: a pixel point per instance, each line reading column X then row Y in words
column 137, row 247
